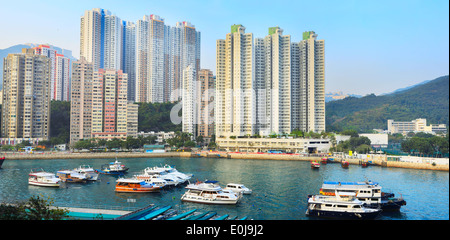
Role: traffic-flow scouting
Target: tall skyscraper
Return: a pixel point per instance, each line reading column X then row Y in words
column 162, row 54
column 273, row 82
column 129, row 57
column 308, row 80
column 101, row 37
column 206, row 85
column 269, row 86
column 235, row 97
column 150, row 59
column 26, row 97
column 60, row 76
column 190, row 101
column 81, row 100
column 92, row 36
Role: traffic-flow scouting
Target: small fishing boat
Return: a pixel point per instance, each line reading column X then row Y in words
column 345, row 164
column 130, row 185
column 44, row 179
column 71, row 176
column 324, row 160
column 315, row 165
column 113, row 168
column 341, row 206
column 238, row 188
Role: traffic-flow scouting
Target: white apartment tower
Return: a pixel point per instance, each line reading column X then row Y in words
column 308, row 83
column 235, row 97
column 26, row 97
column 190, row 101
column 273, row 83
column 150, row 39
column 101, row 39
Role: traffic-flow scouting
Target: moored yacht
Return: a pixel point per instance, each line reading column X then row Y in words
column 90, row 173
column 44, row 179
column 342, row 206
column 368, row 192
column 238, row 188
column 152, row 178
column 209, row 192
column 113, row 168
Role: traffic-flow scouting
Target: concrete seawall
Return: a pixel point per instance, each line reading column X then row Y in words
column 280, row 157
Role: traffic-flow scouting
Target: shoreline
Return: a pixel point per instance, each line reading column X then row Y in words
column 250, row 156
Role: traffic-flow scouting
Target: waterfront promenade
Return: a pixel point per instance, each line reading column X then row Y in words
column 380, row 160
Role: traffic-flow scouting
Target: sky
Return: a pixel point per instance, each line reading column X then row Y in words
column 370, row 46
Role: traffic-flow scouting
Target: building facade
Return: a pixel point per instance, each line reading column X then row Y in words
column 417, row 125
column 100, row 106
column 26, row 97
column 206, row 98
column 235, row 98
column 60, row 73
column 273, row 83
column 81, row 100
column 308, row 84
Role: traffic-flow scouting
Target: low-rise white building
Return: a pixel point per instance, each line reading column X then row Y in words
column 292, row 145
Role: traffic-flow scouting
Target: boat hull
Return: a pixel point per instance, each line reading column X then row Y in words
column 207, row 201
column 43, row 184
column 343, row 215
column 390, row 205
column 136, row 190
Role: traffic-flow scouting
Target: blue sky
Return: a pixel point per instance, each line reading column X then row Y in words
column 370, row 46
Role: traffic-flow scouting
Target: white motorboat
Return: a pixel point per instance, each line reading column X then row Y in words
column 171, row 180
column 343, row 205
column 152, row 179
column 44, row 179
column 89, row 171
column 238, row 188
column 209, row 192
column 174, row 171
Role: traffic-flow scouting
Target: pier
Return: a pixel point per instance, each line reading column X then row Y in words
column 151, row 212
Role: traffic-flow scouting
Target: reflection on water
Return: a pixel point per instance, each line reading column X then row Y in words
column 280, row 188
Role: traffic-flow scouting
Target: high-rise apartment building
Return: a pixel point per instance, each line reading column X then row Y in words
column 190, row 103
column 99, row 106
column 308, row 83
column 109, row 104
column 26, row 97
column 206, row 85
column 235, row 97
column 60, row 74
column 269, row 86
column 153, row 54
column 92, row 36
column 81, row 100
column 273, row 83
column 162, row 54
column 150, row 40
column 129, row 57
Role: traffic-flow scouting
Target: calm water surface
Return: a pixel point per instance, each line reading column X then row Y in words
column 280, row 188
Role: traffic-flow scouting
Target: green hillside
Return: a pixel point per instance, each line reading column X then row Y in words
column 429, row 100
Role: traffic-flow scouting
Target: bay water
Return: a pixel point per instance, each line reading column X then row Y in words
column 280, row 188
